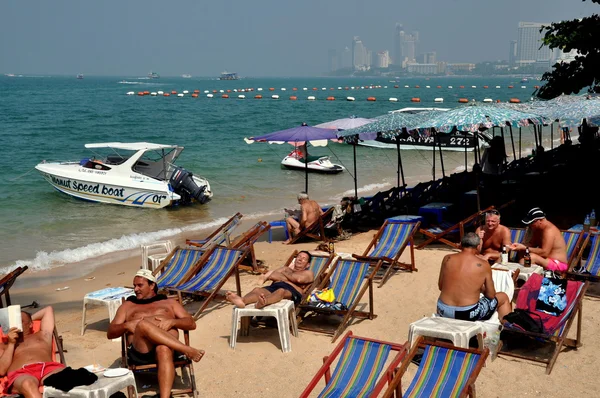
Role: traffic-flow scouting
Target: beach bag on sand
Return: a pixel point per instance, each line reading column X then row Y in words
column 528, row 321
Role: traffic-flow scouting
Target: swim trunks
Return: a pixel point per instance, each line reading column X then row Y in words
column 39, row 370
column 481, row 311
column 296, row 296
column 135, row 357
column 556, row 265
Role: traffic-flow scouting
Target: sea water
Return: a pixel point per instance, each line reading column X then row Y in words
column 52, row 118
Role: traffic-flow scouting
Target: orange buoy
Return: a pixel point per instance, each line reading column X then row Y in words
column 258, row 96
column 463, row 100
column 497, row 100
column 228, row 91
column 293, row 98
column 271, row 89
column 510, row 87
column 346, row 88
column 438, row 86
column 225, row 96
column 415, row 99
column 146, row 92
column 140, row 93
column 514, row 101
column 485, row 86
column 294, row 89
column 196, row 91
column 314, row 89
column 330, row 98
column 462, row 87
column 396, row 86
column 166, row 94
column 371, row 99
column 173, row 92
column 417, row 86
column 536, row 87
column 195, row 95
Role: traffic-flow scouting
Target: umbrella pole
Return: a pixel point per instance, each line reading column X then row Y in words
column 551, row 135
column 466, row 162
column 441, row 159
column 355, row 176
column 399, row 160
column 519, row 142
column 535, row 136
column 433, row 168
column 512, row 140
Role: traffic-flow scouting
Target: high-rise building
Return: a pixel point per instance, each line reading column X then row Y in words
column 398, row 39
column 360, row 60
column 512, row 55
column 332, row 60
column 529, row 44
column 382, row 59
column 346, row 58
column 409, row 46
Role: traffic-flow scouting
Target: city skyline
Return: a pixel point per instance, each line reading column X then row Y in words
column 266, row 38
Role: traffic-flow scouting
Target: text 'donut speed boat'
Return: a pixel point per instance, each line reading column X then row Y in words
column 138, row 174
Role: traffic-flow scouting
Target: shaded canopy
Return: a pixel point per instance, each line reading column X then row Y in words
column 297, row 135
column 345, row 123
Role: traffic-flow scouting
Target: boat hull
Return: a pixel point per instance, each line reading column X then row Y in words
column 450, row 142
column 321, row 165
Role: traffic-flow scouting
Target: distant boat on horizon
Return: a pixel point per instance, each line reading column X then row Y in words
column 186, row 76
column 153, row 75
column 80, row 75
column 229, row 76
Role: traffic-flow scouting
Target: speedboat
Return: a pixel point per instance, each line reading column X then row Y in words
column 138, row 174
column 320, row 164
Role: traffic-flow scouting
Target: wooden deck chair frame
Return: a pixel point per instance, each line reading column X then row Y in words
column 394, row 262
column 215, row 291
column 558, row 340
column 225, row 229
column 192, row 270
column 571, row 258
column 367, row 283
column 395, row 387
column 183, row 364
column 386, row 374
column 316, row 230
column 6, row 283
column 247, row 239
column 460, row 226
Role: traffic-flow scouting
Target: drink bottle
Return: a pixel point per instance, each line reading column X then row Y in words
column 586, row 223
column 593, row 218
column 504, row 256
column 527, row 258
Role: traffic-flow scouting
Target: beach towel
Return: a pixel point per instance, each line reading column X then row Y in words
column 552, row 297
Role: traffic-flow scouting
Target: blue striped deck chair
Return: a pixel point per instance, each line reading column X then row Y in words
column 247, row 241
column 360, row 370
column 573, row 240
column 176, row 267
column 590, row 269
column 349, row 280
column 534, row 346
column 516, row 236
column 221, row 236
column 444, row 371
column 212, row 275
column 389, row 244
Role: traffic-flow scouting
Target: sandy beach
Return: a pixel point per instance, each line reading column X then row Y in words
column 258, row 368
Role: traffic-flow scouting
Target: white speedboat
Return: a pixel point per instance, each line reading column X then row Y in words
column 139, row 174
column 319, row 164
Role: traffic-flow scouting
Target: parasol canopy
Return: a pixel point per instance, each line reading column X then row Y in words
column 297, row 136
column 345, row 123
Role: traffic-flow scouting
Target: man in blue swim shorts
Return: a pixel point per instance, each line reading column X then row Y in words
column 463, row 277
column 287, row 283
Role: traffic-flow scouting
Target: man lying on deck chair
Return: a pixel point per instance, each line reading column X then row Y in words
column 288, row 283
column 309, row 212
column 151, row 323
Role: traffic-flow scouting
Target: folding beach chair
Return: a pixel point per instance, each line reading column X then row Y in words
column 179, row 361
column 179, row 265
column 319, row 263
column 516, row 236
column 389, row 244
column 441, row 233
column 534, row 346
column 221, row 236
column 212, row 275
column 247, row 241
column 6, row 283
column 444, row 371
column 573, row 239
column 349, row 280
column 316, row 230
column 590, row 268
column 360, row 370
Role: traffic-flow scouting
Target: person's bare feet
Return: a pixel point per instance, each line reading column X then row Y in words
column 235, row 299
column 262, row 301
column 285, row 242
column 194, row 354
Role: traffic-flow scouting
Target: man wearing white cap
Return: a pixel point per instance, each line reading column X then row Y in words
column 546, row 244
column 151, row 323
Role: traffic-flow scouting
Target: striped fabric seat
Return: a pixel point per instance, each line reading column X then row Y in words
column 347, row 279
column 358, row 369
column 443, row 372
column 592, row 264
column 572, row 239
column 516, row 236
column 394, row 237
column 181, row 261
column 221, row 236
column 318, row 263
column 219, row 265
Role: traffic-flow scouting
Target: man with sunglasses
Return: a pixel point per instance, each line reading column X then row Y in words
column 493, row 236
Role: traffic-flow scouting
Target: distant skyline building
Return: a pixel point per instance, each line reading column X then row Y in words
column 382, row 59
column 409, row 46
column 512, row 55
column 398, row 39
column 360, row 56
column 332, row 60
column 346, row 58
column 427, row 58
column 529, row 44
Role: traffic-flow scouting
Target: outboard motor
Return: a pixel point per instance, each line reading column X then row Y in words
column 183, row 184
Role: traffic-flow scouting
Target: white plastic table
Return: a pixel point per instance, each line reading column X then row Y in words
column 525, row 273
column 104, row 387
column 283, row 311
column 457, row 331
column 110, row 297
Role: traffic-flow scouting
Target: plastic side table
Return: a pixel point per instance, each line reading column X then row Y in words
column 457, row 331
column 104, row 387
column 110, row 297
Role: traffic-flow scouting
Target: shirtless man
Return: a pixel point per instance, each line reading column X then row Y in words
column 151, row 323
column 463, row 276
column 288, row 283
column 27, row 363
column 310, row 211
column 546, row 245
column 493, row 236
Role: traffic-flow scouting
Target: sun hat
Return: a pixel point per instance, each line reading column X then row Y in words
column 534, row 214
column 146, row 273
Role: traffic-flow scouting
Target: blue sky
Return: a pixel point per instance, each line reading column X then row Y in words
column 251, row 37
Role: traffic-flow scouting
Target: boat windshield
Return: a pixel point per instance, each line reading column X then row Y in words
column 158, row 164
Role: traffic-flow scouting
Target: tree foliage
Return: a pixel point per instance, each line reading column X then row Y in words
column 583, row 72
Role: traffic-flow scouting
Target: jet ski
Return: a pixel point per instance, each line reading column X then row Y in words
column 295, row 160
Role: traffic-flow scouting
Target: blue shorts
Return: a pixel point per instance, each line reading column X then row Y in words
column 296, row 296
column 481, row 311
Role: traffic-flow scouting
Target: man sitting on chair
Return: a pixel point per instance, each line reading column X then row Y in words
column 151, row 323
column 463, row 276
column 310, row 211
column 27, row 363
column 288, row 283
column 493, row 236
